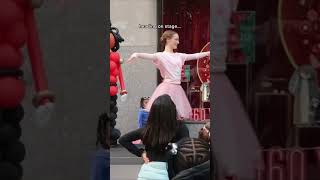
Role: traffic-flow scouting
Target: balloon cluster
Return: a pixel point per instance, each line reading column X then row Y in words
column 115, row 74
column 12, row 151
column 17, row 28
column 114, row 133
column 13, row 36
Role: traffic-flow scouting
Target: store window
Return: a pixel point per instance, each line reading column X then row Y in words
column 192, row 18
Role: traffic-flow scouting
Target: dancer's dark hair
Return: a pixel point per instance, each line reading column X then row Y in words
column 103, row 131
column 162, row 123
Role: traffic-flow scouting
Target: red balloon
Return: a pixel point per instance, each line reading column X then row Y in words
column 113, row 90
column 12, row 91
column 113, row 79
column 16, row 35
column 113, row 66
column 115, row 73
column 112, row 41
column 10, row 13
column 114, row 56
column 10, row 57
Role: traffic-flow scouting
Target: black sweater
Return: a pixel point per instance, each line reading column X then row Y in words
column 199, row 172
column 153, row 154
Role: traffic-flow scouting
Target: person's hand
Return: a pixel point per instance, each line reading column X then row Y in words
column 44, row 103
column 123, row 97
column 133, row 57
column 42, row 98
column 145, row 157
column 43, row 114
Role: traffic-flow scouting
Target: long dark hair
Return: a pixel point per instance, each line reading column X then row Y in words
column 162, row 123
column 103, row 131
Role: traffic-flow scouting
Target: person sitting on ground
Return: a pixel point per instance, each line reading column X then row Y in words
column 193, row 160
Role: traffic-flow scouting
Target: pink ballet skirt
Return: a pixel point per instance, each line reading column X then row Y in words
column 170, row 66
column 177, row 95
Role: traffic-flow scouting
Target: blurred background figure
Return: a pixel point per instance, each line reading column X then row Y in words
column 101, row 161
column 143, row 113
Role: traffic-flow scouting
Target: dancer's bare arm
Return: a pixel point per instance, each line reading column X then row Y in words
column 196, row 56
column 136, row 56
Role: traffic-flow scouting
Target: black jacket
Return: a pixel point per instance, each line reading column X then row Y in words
column 153, row 153
column 199, row 172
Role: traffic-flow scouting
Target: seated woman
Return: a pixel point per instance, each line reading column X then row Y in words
column 161, row 129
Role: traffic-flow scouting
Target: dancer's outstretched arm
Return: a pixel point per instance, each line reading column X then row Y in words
column 136, row 56
column 196, row 56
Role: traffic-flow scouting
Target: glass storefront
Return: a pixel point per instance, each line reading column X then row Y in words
column 192, row 19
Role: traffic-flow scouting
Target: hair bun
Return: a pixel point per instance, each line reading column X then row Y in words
column 168, row 34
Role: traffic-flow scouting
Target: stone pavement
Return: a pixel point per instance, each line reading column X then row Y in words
column 124, row 165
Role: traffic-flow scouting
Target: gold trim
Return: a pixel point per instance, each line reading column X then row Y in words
column 280, row 28
column 199, row 59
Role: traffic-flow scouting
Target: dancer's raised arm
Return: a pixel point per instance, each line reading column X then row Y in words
column 196, row 56
column 136, row 56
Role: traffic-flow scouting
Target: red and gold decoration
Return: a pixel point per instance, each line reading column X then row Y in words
column 203, row 66
column 115, row 77
column 17, row 29
column 299, row 30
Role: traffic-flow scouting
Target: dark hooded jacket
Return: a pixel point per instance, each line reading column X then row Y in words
column 199, row 172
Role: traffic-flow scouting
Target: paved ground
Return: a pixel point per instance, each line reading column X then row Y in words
column 124, row 165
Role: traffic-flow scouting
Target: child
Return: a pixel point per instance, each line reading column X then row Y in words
column 204, row 133
column 143, row 114
column 170, row 65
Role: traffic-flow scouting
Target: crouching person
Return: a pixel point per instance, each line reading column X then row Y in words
column 192, row 159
